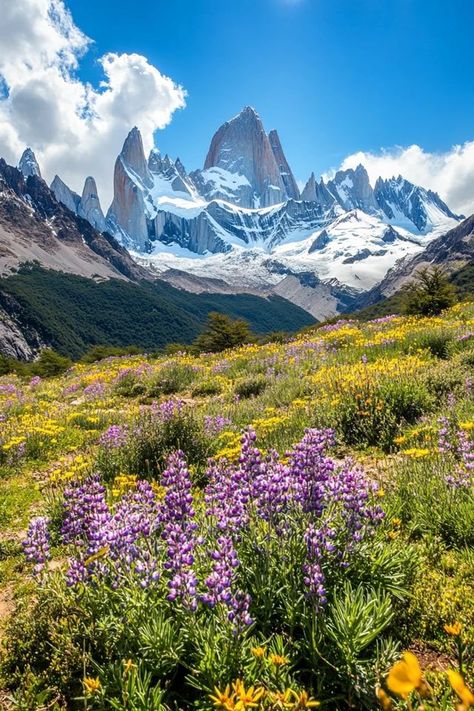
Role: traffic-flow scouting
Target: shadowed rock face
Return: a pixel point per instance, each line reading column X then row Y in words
column 89, row 207
column 399, row 196
column 317, row 192
column 28, row 164
column 352, row 189
column 291, row 187
column 242, row 147
column 35, row 226
column 132, row 177
column 64, row 194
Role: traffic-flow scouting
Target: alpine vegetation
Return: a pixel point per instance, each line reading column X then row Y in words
column 276, row 526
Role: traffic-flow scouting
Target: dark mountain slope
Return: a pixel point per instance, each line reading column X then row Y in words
column 34, row 226
column 71, row 313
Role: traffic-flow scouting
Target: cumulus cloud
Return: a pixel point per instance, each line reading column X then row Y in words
column 74, row 128
column 451, row 174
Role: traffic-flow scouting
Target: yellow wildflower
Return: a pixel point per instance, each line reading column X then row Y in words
column 384, row 698
column 258, row 652
column 91, row 685
column 454, row 630
column 405, row 676
column 302, row 700
column 247, row 698
column 464, row 693
column 278, row 660
column 223, row 699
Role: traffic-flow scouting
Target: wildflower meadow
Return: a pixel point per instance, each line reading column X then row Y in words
column 278, row 526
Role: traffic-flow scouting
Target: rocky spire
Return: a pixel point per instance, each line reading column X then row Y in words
column 241, row 146
column 352, row 189
column 64, row 194
column 317, row 192
column 291, row 186
column 28, row 164
column 133, row 156
column 89, row 206
column 309, row 190
column 126, row 216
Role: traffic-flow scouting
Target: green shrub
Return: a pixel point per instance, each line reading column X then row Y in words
column 207, row 388
column 445, row 378
column 221, row 333
column 150, row 442
column 374, row 417
column 130, row 385
column 250, row 387
column 439, row 343
column 429, row 293
column 50, row 364
column 171, row 379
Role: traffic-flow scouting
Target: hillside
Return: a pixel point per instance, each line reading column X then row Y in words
column 71, row 313
column 331, row 528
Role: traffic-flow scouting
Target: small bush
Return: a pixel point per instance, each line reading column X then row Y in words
column 429, row 293
column 129, row 385
column 250, row 387
column 171, row 379
column 439, row 343
column 445, row 378
column 50, row 364
column 373, row 417
column 150, row 442
column 221, row 333
column 207, row 388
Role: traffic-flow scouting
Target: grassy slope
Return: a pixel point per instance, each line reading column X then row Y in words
column 301, row 380
column 73, row 313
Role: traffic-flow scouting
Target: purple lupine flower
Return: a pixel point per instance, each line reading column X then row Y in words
column 310, row 468
column 114, row 437
column 87, row 520
column 219, row 582
column 227, row 496
column 168, row 409
column 135, row 518
column 36, row 544
column 214, row 425
column 177, row 518
column 239, row 614
column 444, row 433
column 96, row 389
column 36, row 380
column 463, row 475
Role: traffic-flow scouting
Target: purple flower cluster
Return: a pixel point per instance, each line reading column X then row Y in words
column 328, row 505
column 177, row 518
column 114, row 437
column 167, row 410
column 214, row 425
column 36, row 543
column 96, row 389
column 107, row 542
column 457, row 445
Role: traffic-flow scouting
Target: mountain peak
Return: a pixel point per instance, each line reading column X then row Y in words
column 64, row 194
column 28, row 164
column 133, row 156
column 291, row 186
column 89, row 206
column 241, row 147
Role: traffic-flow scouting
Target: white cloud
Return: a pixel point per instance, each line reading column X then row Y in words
column 451, row 174
column 74, row 128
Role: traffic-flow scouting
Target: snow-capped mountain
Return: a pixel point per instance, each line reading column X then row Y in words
column 243, row 220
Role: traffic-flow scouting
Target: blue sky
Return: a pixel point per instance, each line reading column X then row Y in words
column 389, row 83
column 333, row 76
